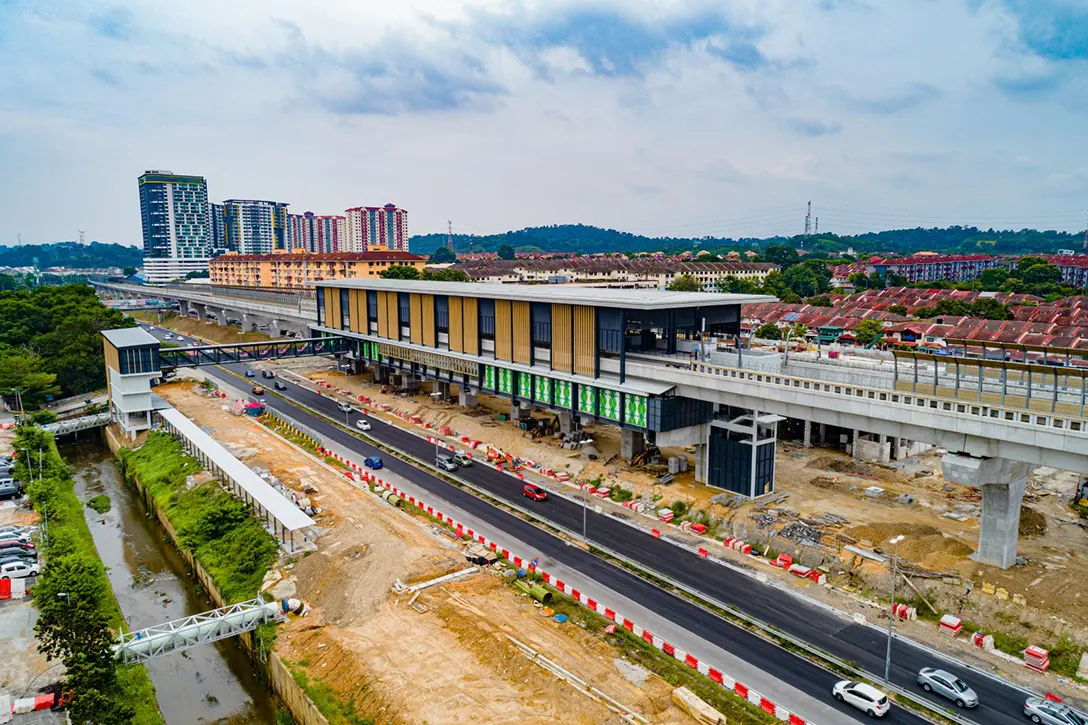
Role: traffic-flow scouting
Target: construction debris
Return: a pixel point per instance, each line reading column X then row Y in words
column 699, row 710
column 801, row 533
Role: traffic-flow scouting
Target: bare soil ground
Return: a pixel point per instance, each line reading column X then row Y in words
column 209, row 330
column 451, row 663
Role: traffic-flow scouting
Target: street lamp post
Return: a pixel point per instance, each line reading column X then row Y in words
column 891, row 611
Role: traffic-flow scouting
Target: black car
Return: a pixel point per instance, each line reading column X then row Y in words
column 267, row 374
column 8, row 558
column 279, row 385
column 9, row 490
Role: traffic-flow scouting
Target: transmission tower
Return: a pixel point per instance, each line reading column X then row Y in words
column 81, row 233
column 816, row 226
column 808, row 220
column 449, row 234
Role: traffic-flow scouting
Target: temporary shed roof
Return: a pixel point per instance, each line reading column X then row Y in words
column 285, row 512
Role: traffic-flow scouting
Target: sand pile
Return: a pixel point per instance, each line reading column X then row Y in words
column 924, row 545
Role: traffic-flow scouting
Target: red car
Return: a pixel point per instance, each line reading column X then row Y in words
column 534, row 492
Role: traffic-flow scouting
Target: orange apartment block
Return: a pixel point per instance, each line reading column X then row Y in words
column 297, row 269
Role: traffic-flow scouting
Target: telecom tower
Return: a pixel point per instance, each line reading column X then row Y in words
column 816, row 226
column 808, row 220
column 81, row 233
column 449, row 234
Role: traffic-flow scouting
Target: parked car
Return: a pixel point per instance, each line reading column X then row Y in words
column 13, row 529
column 1049, row 712
column 267, row 374
column 362, row 424
column 445, row 463
column 18, row 570
column 343, row 407
column 462, row 459
column 279, row 385
column 14, row 545
column 249, row 374
column 27, row 556
column 257, row 390
column 866, row 698
column 9, row 490
column 534, row 492
column 23, row 536
column 374, row 462
column 947, row 685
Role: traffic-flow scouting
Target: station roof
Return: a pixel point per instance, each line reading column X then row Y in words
column 285, row 512
column 638, row 299
column 129, row 337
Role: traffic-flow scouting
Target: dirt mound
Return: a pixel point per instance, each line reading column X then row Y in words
column 841, row 464
column 924, row 545
column 1032, row 523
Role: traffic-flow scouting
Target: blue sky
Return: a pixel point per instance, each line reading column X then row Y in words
column 652, row 116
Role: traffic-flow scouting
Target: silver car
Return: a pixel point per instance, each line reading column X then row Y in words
column 947, row 685
column 1049, row 712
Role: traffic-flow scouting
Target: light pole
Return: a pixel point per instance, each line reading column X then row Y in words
column 891, row 611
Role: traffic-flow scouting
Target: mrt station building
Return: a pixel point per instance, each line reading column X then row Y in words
column 564, row 348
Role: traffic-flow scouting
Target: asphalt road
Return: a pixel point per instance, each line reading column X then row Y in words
column 1000, row 703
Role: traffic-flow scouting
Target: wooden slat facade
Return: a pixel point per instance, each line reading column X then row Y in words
column 392, row 311
column 427, row 302
column 562, row 355
column 383, row 315
column 521, row 333
column 471, row 319
column 332, row 308
column 457, row 325
column 504, row 343
column 358, row 310
column 113, row 361
column 585, row 340
column 415, row 311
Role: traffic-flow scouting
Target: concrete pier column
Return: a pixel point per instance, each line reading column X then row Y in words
column 885, row 449
column 568, row 422
column 823, row 434
column 381, row 374
column 248, row 323
column 808, row 434
column 517, row 410
column 854, row 443
column 223, row 316
column 443, row 389
column 632, row 443
column 466, row 398
column 700, row 462
column 1002, row 483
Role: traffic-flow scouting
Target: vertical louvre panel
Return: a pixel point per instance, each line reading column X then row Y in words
column 428, row 319
column 415, row 303
column 457, row 325
column 332, row 307
column 562, row 358
column 472, row 326
column 358, row 318
column 503, row 341
column 364, row 312
column 585, row 340
column 520, row 311
column 383, row 315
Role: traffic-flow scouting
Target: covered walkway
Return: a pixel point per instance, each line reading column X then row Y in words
column 280, row 516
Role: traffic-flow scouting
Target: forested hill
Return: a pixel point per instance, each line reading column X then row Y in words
column 590, row 240
column 71, row 254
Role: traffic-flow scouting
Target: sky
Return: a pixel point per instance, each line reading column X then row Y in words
column 657, row 117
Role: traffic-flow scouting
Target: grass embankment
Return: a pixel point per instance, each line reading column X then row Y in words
column 217, row 528
column 221, row 334
column 72, row 565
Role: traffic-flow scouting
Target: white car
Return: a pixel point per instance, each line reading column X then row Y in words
column 362, row 424
column 18, row 570
column 168, row 336
column 866, row 698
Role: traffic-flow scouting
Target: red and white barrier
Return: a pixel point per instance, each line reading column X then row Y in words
column 951, row 625
column 1036, row 658
column 985, row 641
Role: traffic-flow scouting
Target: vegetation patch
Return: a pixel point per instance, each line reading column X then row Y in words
column 336, row 711
column 216, row 527
column 100, row 503
column 78, row 615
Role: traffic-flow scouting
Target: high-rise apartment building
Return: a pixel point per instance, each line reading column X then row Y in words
column 217, row 228
column 174, row 212
column 376, row 226
column 255, row 226
column 300, row 231
column 330, row 233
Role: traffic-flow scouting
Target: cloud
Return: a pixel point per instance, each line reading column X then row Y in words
column 813, row 128
column 1052, row 29
column 1029, row 86
column 883, row 104
column 115, row 23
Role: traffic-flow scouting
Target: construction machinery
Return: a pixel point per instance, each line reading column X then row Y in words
column 650, row 456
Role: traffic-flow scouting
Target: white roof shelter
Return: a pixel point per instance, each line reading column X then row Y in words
column 281, row 515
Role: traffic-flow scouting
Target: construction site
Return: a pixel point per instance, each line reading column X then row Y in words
column 830, row 512
column 471, row 649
